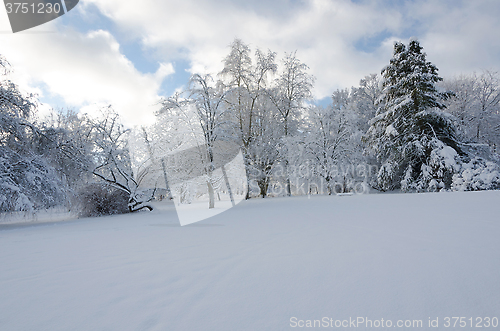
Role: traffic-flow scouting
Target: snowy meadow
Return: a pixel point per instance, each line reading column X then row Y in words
column 266, row 264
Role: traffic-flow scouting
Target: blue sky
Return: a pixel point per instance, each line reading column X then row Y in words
column 130, row 53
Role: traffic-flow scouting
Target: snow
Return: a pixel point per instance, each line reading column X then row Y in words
column 391, row 131
column 258, row 265
column 56, row 214
column 478, row 174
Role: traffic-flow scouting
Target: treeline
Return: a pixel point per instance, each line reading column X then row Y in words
column 67, row 159
column 405, row 129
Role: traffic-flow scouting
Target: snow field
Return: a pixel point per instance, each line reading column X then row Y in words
column 257, row 265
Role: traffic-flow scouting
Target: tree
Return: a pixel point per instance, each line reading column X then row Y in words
column 475, row 107
column 112, row 162
column 488, row 114
column 414, row 141
column 27, row 181
column 463, row 104
column 263, row 152
column 246, row 85
column 292, row 88
column 330, row 145
column 364, row 100
column 207, row 101
column 65, row 141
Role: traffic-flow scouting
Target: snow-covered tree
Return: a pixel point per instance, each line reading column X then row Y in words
column 211, row 117
column 263, row 152
column 413, row 140
column 111, row 159
column 462, row 104
column 488, row 117
column 364, row 98
column 293, row 87
column 476, row 107
column 476, row 175
column 65, row 141
column 246, row 85
column 27, row 181
column 329, row 146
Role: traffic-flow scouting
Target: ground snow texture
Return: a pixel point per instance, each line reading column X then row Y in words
column 256, row 266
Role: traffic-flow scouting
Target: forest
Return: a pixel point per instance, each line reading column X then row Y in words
column 404, row 129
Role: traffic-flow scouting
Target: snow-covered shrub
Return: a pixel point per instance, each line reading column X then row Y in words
column 99, row 200
column 477, row 175
column 436, row 171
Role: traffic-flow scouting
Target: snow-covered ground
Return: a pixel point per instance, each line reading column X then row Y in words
column 267, row 264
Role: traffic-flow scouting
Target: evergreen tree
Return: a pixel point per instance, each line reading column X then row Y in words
column 412, row 139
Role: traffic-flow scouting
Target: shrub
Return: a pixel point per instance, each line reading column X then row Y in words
column 477, row 175
column 100, row 199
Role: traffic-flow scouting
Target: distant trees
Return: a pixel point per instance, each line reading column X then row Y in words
column 256, row 104
column 476, row 107
column 329, row 147
column 416, row 137
column 363, row 100
column 292, row 89
column 411, row 142
column 207, row 101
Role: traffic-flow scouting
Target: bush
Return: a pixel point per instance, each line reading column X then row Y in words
column 477, row 175
column 100, row 200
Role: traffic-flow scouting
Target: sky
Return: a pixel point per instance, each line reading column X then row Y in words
column 131, row 53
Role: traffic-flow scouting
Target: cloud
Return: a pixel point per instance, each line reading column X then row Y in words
column 463, row 37
column 341, row 41
column 85, row 69
column 323, row 32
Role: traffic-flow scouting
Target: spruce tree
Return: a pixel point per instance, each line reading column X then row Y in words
column 412, row 139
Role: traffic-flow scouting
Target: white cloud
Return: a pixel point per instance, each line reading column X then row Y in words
column 85, row 69
column 322, row 31
column 459, row 36
column 462, row 38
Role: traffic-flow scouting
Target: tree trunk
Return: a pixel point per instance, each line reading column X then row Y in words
column 211, row 195
column 165, row 178
column 263, row 185
column 288, row 184
column 226, row 179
